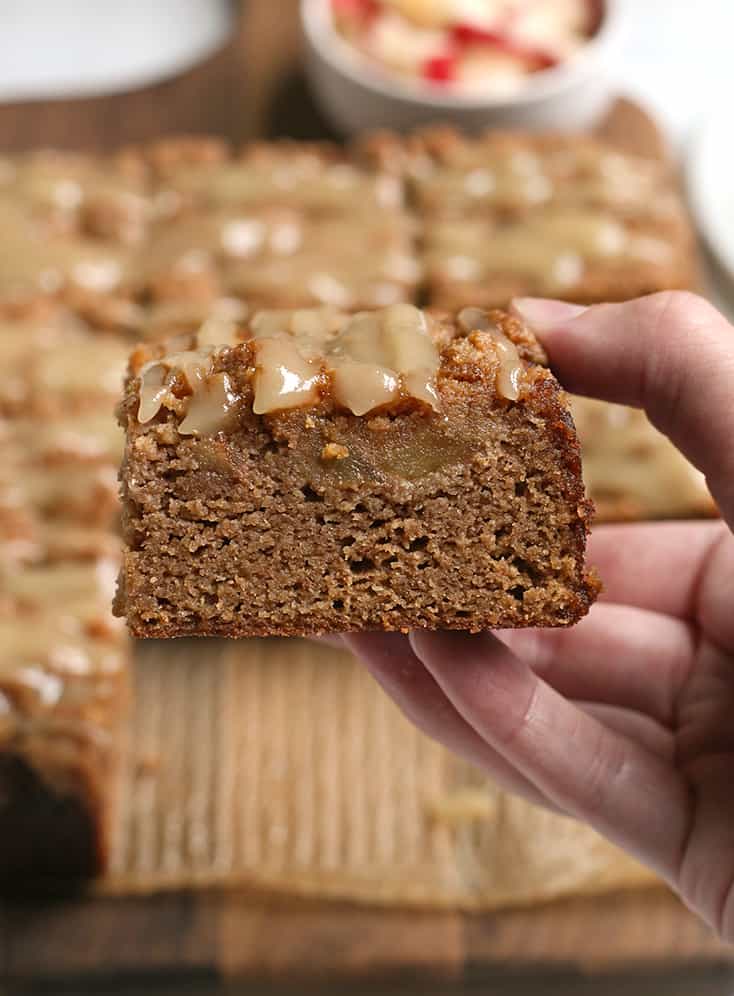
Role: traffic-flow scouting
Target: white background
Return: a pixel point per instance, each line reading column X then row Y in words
column 58, row 48
column 675, row 56
column 678, row 57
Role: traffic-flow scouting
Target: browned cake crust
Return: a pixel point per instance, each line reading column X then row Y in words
column 63, row 691
column 315, row 520
column 63, row 658
column 599, row 283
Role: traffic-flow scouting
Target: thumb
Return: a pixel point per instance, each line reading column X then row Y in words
column 671, row 354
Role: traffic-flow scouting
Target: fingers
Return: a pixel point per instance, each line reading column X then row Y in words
column 671, row 354
column 714, row 609
column 641, row 729
column 392, row 662
column 654, row 566
column 617, row 655
column 679, row 569
column 595, row 774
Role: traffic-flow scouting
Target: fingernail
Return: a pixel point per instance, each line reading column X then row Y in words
column 542, row 314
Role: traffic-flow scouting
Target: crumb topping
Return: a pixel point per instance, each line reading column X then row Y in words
column 368, row 361
column 510, row 365
column 299, row 177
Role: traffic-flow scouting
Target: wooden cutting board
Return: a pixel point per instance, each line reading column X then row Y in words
column 235, row 938
column 253, row 87
column 277, row 765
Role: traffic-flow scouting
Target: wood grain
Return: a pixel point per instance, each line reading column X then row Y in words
column 230, row 937
column 280, row 765
column 341, row 941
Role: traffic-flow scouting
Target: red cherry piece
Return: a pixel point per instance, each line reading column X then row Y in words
column 440, row 69
column 541, row 59
column 464, row 33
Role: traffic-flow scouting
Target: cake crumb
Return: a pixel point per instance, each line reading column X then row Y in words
column 334, row 451
column 147, row 446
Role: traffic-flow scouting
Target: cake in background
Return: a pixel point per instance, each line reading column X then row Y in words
column 102, row 252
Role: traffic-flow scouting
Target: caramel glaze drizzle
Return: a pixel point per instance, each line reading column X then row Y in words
column 367, row 361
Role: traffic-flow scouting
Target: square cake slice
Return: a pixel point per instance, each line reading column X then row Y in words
column 584, row 255
column 325, row 473
column 320, row 178
column 572, row 216
column 70, row 224
column 513, row 174
column 282, row 257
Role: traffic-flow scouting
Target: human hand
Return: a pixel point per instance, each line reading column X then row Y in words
column 625, row 721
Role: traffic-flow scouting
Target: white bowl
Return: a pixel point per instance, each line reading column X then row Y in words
column 356, row 98
column 54, row 49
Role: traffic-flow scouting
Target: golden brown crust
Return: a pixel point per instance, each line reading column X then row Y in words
column 441, row 140
column 183, row 150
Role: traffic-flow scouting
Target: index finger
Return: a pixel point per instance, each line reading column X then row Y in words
column 654, row 565
column 671, row 354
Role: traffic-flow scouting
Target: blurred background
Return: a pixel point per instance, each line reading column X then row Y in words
column 673, row 54
column 94, row 76
column 83, row 75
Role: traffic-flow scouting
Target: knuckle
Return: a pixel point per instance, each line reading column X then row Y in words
column 668, row 323
column 678, row 308
column 604, row 767
column 516, row 723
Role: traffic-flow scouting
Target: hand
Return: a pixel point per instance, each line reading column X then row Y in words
column 626, row 720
